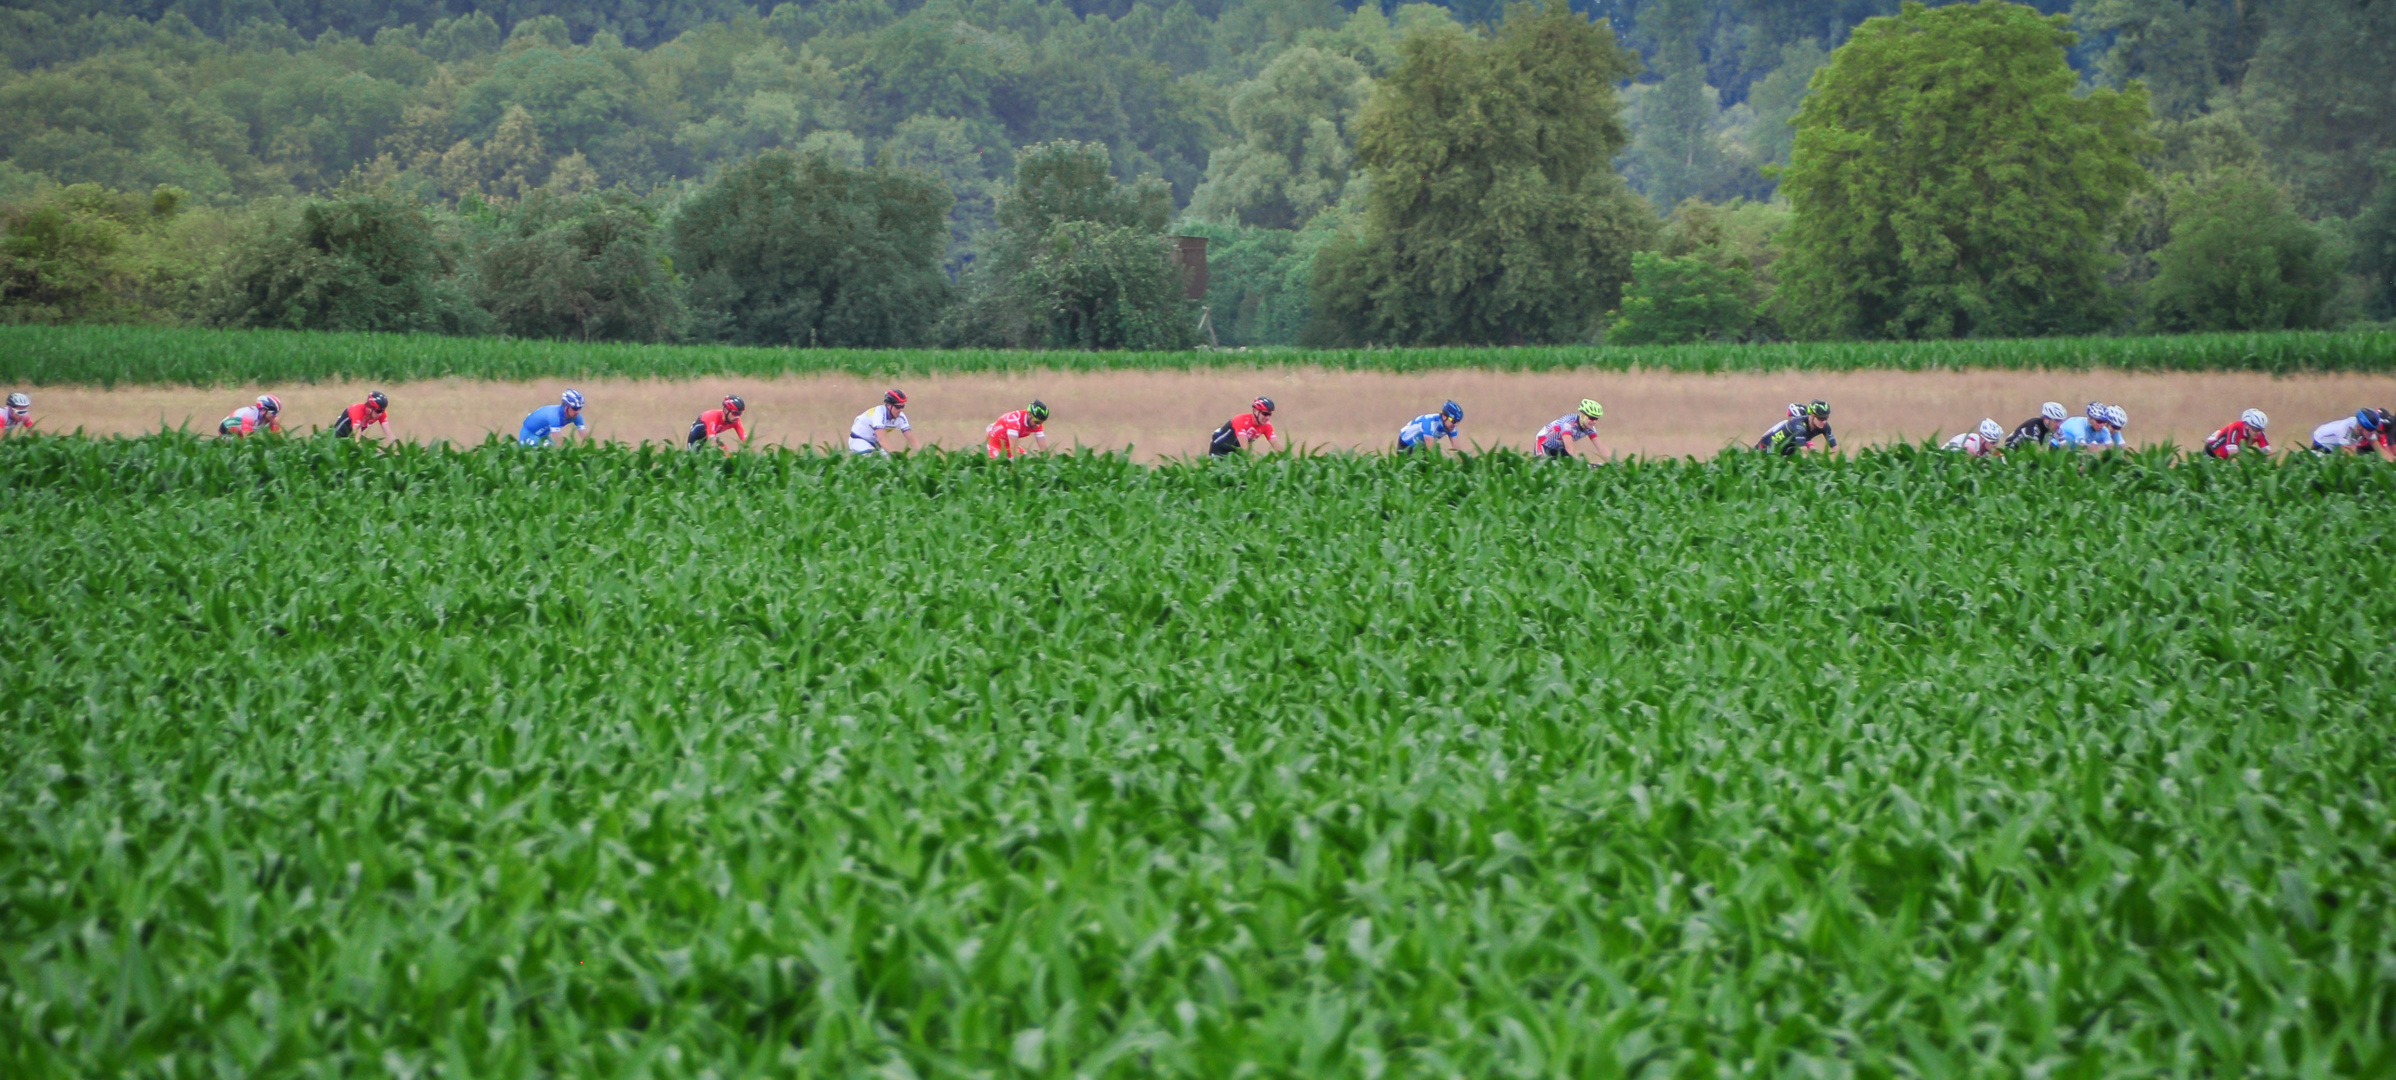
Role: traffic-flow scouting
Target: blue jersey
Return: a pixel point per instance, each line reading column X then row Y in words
column 1423, row 429
column 544, row 420
column 2082, row 431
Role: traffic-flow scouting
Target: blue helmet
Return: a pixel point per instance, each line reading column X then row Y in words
column 2369, row 418
column 2096, row 411
column 1453, row 412
column 573, row 399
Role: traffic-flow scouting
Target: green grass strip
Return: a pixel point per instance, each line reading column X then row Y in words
column 110, row 355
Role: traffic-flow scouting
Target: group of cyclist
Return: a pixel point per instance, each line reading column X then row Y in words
column 1024, row 431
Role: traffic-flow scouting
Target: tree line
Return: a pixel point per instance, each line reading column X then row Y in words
column 1009, row 174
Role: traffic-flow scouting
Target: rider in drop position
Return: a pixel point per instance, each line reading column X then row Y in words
column 2038, row 430
column 541, row 422
column 1422, row 430
column 2246, row 431
column 376, row 409
column 1555, row 440
column 1982, row 443
column 2367, row 431
column 712, row 424
column 1006, row 436
column 1241, row 432
column 266, row 412
column 1790, row 436
column 2095, row 430
column 865, row 433
column 18, row 416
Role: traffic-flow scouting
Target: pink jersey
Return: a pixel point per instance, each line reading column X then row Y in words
column 1006, row 430
column 249, row 418
column 15, row 418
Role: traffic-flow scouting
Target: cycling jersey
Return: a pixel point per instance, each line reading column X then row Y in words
column 2238, row 434
column 714, row 422
column 1004, row 431
column 1791, row 435
column 1423, row 429
column 15, row 418
column 2033, row 432
column 1971, row 443
column 1556, row 439
column 2082, row 431
column 865, row 434
column 2347, row 433
column 1237, row 432
column 246, row 419
column 546, row 419
column 355, row 418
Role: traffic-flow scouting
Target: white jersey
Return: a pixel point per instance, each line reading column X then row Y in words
column 2339, row 434
column 1971, row 443
column 865, row 436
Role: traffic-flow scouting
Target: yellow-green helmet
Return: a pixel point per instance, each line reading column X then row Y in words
column 1591, row 409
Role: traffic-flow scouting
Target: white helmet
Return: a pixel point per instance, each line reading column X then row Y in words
column 2053, row 411
column 2255, row 419
column 571, row 399
column 1990, row 431
column 19, row 401
column 2116, row 416
column 1796, row 410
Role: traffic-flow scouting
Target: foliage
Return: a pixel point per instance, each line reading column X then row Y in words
column 1078, row 261
column 1103, row 286
column 1675, row 300
column 808, row 251
column 1949, row 181
column 2240, row 258
column 142, row 355
column 64, row 258
column 583, row 268
column 1295, row 156
column 2375, row 241
column 1260, row 281
column 1738, row 236
column 1495, row 215
column 359, row 261
column 317, row 759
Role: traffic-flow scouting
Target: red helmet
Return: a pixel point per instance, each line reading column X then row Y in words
column 1263, row 405
column 896, row 399
column 733, row 405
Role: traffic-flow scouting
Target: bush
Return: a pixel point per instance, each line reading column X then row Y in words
column 2239, row 258
column 584, row 268
column 364, row 261
column 1678, row 300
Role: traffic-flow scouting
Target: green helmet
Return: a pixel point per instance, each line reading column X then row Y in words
column 1820, row 409
column 1591, row 409
column 1038, row 412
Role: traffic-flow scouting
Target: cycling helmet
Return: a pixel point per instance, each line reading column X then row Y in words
column 734, row 406
column 2053, row 411
column 2255, row 419
column 19, row 401
column 1453, row 412
column 2369, row 418
column 2117, row 416
column 270, row 403
column 572, row 399
column 896, row 399
column 1038, row 412
column 376, row 399
column 2096, row 410
column 1820, row 409
column 1796, row 409
column 1263, row 405
column 1990, row 431
column 1591, row 409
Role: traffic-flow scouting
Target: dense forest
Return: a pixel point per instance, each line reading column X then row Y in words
column 1008, row 172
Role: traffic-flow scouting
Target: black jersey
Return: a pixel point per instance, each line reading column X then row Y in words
column 1792, row 435
column 2036, row 431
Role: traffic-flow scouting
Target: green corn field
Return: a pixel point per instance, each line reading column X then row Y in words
column 118, row 355
column 326, row 759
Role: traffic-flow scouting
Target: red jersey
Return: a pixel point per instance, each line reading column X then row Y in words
column 717, row 423
column 364, row 413
column 2237, row 434
column 1007, row 429
column 1248, row 428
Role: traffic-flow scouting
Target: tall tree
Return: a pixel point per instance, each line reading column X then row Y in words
column 591, row 267
column 808, row 251
column 357, row 261
column 1949, row 180
column 1296, row 150
column 1673, row 153
column 1495, row 213
column 1078, row 261
column 2239, row 258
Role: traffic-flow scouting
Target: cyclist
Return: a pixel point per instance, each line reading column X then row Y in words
column 19, row 414
column 865, row 433
column 376, row 409
column 2093, row 430
column 1798, row 433
column 1241, row 432
column 2246, row 431
column 2367, row 431
column 1430, row 426
column 266, row 412
column 1981, row 443
column 712, row 424
column 1005, row 436
column 2038, row 430
column 541, row 422
column 1556, row 439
